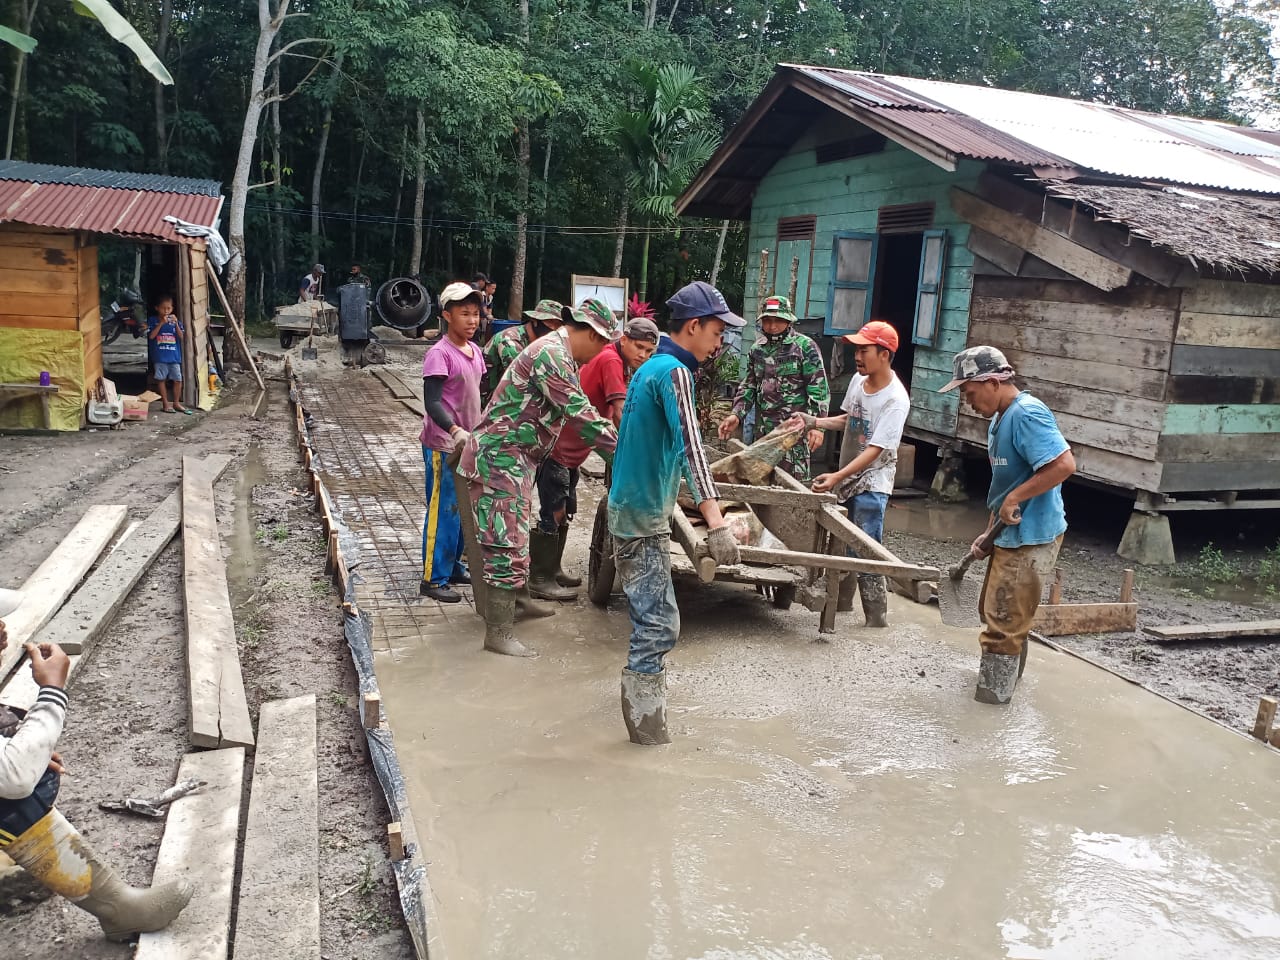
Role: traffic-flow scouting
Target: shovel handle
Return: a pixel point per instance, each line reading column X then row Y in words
column 987, row 543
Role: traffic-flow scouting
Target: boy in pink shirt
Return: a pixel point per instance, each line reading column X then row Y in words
column 451, row 375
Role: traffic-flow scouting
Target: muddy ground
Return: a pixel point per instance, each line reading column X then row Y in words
column 127, row 725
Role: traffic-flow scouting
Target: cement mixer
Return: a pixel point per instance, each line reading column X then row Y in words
column 406, row 304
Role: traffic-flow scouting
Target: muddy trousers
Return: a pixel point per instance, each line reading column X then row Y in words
column 866, row 510
column 502, row 533
column 644, row 565
column 1011, row 594
column 441, row 527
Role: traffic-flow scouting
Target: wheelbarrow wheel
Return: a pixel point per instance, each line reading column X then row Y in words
column 784, row 596
column 286, row 340
column 601, row 567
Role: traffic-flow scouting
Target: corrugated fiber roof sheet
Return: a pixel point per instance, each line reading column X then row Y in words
column 116, row 179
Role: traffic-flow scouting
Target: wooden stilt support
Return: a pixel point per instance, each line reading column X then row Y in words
column 1055, row 589
column 1126, row 587
column 1262, row 727
column 395, row 841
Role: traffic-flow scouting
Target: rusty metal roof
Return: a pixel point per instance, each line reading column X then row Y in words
column 948, row 121
column 47, row 196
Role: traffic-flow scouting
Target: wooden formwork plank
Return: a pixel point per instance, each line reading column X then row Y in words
column 199, row 848
column 278, row 911
column 1266, row 718
column 54, row 580
column 219, row 710
column 1242, row 630
column 1065, row 619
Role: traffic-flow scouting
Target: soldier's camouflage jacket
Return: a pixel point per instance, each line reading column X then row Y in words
column 501, row 351
column 784, row 376
column 535, row 400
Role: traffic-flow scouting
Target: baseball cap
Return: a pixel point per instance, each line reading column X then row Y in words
column 877, row 333
column 701, row 299
column 10, row 600
column 457, row 292
column 978, row 363
column 317, row 268
column 779, row 307
column 546, row 310
column 596, row 314
column 641, row 328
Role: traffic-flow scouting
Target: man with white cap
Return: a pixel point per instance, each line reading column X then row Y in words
column 1029, row 462
column 536, row 399
column 659, row 443
column 36, row 836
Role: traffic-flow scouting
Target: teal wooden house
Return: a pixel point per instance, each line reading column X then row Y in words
column 1127, row 263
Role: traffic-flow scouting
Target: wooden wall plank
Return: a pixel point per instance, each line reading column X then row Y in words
column 1252, row 475
column 38, row 323
column 199, row 848
column 1126, row 351
column 1225, row 330
column 1234, row 298
column 1073, row 291
column 1088, row 319
column 1005, row 255
column 40, row 260
column 37, row 280
column 1110, row 377
column 1103, row 435
column 41, row 304
column 1223, row 361
column 1191, row 448
column 47, row 238
column 1222, row 390
column 1096, row 405
column 1212, row 418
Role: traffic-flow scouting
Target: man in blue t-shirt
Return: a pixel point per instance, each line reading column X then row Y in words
column 1029, row 461
column 658, row 443
column 165, row 337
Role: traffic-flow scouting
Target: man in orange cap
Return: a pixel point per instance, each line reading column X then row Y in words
column 875, row 408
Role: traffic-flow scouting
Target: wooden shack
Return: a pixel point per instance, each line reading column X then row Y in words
column 50, row 221
column 1127, row 264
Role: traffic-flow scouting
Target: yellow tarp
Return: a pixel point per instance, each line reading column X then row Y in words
column 23, row 354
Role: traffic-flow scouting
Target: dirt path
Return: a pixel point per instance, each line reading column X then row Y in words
column 127, row 725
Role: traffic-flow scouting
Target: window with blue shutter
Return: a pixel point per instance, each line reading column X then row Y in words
column 933, row 261
column 853, row 274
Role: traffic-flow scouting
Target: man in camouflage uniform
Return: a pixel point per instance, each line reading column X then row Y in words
column 785, row 375
column 501, row 351
column 535, row 400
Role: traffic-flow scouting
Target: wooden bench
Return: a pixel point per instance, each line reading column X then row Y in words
column 10, row 392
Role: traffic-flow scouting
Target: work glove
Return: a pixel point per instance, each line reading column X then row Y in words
column 723, row 547
column 459, row 438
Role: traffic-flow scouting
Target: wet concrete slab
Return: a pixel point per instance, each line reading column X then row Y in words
column 842, row 799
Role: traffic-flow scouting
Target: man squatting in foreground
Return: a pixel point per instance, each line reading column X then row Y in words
column 1029, row 462
column 36, row 836
column 451, row 375
column 604, row 381
column 660, row 442
column 536, row 399
column 875, row 408
column 785, row 376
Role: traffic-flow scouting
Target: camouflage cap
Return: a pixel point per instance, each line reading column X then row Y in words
column 780, row 307
column 545, row 310
column 597, row 315
column 977, row 364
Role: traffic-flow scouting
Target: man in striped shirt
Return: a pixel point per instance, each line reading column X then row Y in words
column 659, row 442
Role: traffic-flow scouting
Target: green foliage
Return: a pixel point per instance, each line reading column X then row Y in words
column 1213, row 566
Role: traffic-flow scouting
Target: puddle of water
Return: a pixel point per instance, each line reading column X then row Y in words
column 1250, row 591
column 243, row 564
column 939, row 521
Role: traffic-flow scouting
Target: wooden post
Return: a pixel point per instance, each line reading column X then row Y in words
column 235, row 328
column 761, row 290
column 395, row 841
column 372, row 711
column 1055, row 589
column 1266, row 717
column 794, row 283
column 1126, row 587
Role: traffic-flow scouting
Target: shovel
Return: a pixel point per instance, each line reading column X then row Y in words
column 958, row 600
column 309, row 351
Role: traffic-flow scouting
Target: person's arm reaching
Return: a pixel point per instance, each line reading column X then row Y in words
column 26, row 755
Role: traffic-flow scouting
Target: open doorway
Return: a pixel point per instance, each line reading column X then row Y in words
column 896, row 285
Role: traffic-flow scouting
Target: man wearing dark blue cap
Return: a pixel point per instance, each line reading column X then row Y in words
column 659, row 442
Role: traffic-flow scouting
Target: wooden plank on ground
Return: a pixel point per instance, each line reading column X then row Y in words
column 46, row 589
column 219, row 710
column 199, row 848
column 399, row 390
column 278, row 910
column 1239, row 630
column 1065, row 619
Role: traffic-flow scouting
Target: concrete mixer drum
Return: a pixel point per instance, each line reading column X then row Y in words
column 405, row 304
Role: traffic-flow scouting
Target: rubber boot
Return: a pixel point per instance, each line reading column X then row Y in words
column 56, row 855
column 997, row 676
column 528, row 608
column 499, row 612
column 544, row 560
column 875, row 599
column 562, row 578
column 644, row 707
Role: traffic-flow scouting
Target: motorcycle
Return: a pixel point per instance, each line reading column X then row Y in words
column 127, row 314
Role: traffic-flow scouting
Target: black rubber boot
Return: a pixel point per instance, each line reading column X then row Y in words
column 544, row 561
column 875, row 599
column 644, row 707
column 499, row 614
column 997, row 676
column 562, row 578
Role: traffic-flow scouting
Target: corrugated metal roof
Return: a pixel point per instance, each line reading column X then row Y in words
column 116, row 179
column 137, row 214
column 1039, row 131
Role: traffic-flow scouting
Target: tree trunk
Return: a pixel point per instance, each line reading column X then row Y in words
column 395, row 220
column 622, row 235
column 318, row 174
column 277, row 166
column 355, row 204
column 162, row 49
column 515, row 302
column 28, row 16
column 644, row 267
column 269, row 24
column 715, row 264
column 419, row 196
column 546, row 200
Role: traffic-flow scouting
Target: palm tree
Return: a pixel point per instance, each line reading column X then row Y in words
column 665, row 142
